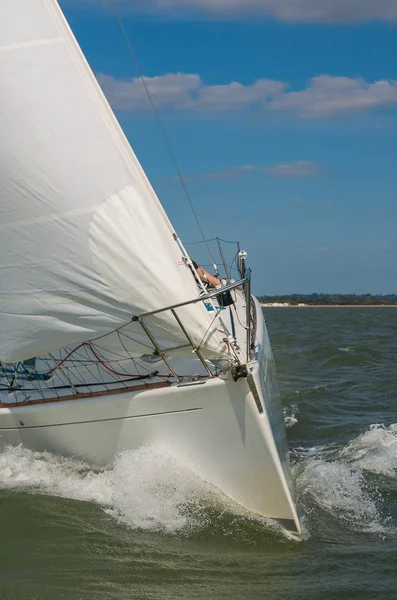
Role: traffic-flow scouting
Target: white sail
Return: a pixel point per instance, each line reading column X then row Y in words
column 84, row 242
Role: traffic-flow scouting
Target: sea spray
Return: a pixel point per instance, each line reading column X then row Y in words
column 339, row 492
column 333, row 480
column 374, row 451
column 46, row 473
column 151, row 489
column 146, row 488
column 290, row 415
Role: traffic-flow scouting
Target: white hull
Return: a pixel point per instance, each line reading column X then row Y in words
column 214, row 426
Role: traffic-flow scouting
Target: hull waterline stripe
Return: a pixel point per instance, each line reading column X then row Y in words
column 170, row 412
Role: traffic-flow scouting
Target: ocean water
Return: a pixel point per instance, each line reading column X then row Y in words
column 147, row 528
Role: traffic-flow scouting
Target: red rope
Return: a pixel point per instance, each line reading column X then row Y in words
column 105, row 365
column 108, row 368
column 99, row 359
column 63, row 360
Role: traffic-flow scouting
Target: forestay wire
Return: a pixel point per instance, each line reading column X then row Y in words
column 160, row 125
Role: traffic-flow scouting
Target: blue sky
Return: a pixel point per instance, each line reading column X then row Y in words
column 283, row 117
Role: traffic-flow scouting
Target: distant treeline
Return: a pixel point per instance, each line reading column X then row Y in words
column 338, row 299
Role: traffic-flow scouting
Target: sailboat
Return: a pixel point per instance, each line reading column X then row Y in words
column 109, row 338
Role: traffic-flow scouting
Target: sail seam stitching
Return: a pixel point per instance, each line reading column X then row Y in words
column 31, row 44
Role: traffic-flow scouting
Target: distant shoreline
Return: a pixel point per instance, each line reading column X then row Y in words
column 332, row 300
column 276, row 305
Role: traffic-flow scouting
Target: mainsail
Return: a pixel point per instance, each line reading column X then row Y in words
column 84, row 242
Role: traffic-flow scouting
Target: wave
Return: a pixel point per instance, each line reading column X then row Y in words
column 375, row 450
column 342, row 493
column 150, row 489
column 334, row 480
column 145, row 489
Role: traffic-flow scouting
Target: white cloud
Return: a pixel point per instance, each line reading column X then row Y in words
column 292, row 11
column 300, row 168
column 235, row 96
column 327, row 97
column 187, row 92
column 172, row 89
column 323, row 97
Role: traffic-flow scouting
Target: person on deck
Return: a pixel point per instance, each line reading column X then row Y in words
column 205, row 276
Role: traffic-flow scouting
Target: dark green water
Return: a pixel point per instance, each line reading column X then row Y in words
column 148, row 529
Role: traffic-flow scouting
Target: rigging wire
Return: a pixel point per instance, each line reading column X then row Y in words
column 160, row 125
column 212, row 240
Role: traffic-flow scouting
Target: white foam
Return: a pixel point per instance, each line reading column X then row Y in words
column 290, row 418
column 25, row 469
column 148, row 488
column 302, row 453
column 152, row 490
column 341, row 492
column 145, row 488
column 375, row 450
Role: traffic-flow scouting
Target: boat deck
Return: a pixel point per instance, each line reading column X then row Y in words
column 89, row 370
